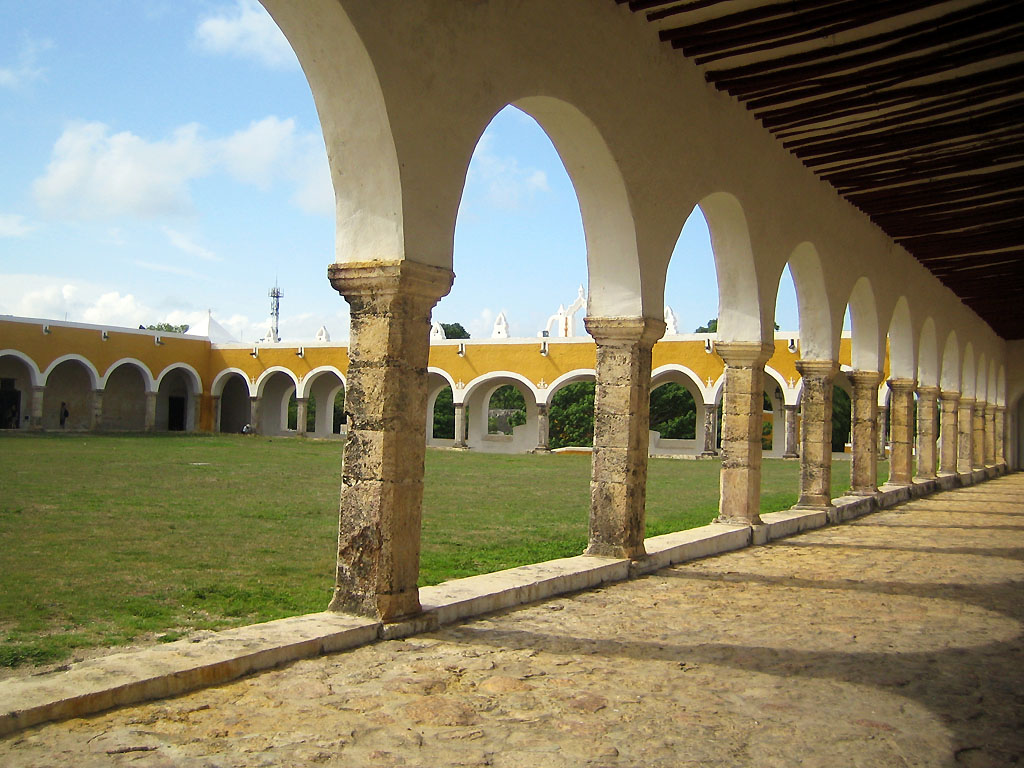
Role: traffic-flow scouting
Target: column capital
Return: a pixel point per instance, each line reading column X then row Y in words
column 744, row 354
column 966, row 402
column 825, row 369
column 370, row 281
column 790, row 407
column 865, row 378
column 949, row 395
column 625, row 331
column 906, row 386
column 927, row 391
column 999, row 408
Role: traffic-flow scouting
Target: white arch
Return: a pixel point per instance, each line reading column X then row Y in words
column 577, row 374
column 950, row 379
column 928, row 355
column 613, row 262
column 302, row 389
column 780, row 380
column 991, row 381
column 702, row 389
column 981, row 385
column 739, row 303
column 361, row 150
column 967, row 378
column 220, row 381
column 462, row 395
column 197, row 380
column 902, row 357
column 1001, row 386
column 33, row 370
column 443, row 374
column 817, row 339
column 147, row 375
column 265, row 376
column 865, row 341
column 94, row 376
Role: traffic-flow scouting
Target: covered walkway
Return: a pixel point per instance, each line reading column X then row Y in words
column 889, row 641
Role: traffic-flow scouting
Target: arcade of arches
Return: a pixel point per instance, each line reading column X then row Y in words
column 644, row 144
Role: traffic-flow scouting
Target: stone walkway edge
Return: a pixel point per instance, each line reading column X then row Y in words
column 186, row 665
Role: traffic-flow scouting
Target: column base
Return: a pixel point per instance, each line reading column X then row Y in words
column 540, row 449
column 862, row 492
column 791, row 455
column 708, row 454
column 739, row 521
column 615, row 552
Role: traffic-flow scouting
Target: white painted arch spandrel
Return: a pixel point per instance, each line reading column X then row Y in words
column 866, row 342
column 968, row 375
column 739, row 304
column 674, row 372
column 304, row 387
column 94, row 376
column 221, row 380
column 499, row 378
column 950, row 379
column 191, row 374
column 35, row 377
column 147, row 375
column 261, row 381
column 567, row 378
column 928, row 355
column 902, row 357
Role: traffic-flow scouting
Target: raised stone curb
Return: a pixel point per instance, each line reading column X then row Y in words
column 217, row 657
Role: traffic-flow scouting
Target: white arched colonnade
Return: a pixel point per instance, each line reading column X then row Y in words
column 643, row 144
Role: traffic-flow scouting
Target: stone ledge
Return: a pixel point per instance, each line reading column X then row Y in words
column 891, row 495
column 852, row 507
column 778, row 525
column 680, row 546
column 167, row 670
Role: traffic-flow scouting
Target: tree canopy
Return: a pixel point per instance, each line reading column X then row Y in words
column 454, row 331
column 168, row 327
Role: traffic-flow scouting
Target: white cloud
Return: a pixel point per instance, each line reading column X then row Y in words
column 246, row 31
column 27, row 69
column 14, row 225
column 94, row 173
column 187, row 245
column 169, row 269
column 506, row 185
column 261, row 152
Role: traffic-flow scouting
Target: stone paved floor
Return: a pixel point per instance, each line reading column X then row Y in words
column 891, row 641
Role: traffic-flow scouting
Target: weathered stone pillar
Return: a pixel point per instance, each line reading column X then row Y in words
column 864, row 432
column 742, row 416
column 710, row 432
column 949, row 403
column 96, row 410
column 791, row 450
column 901, row 407
column 197, row 414
column 978, row 436
column 816, row 435
column 386, row 400
column 150, row 418
column 990, row 435
column 618, row 480
column 927, row 401
column 965, row 447
column 36, row 421
column 215, row 406
column 301, row 407
column 883, row 436
column 1000, row 435
column 254, row 415
column 543, row 428
column 460, row 425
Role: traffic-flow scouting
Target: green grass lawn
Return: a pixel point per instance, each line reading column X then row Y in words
column 106, row 539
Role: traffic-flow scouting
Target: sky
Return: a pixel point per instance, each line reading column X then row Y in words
column 161, row 159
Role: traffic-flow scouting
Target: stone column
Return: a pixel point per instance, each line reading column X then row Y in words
column 460, row 425
column 709, row 430
column 965, row 436
column 215, row 405
column 386, row 399
column 1000, row 434
column 543, row 428
column 301, row 406
column 883, row 416
column 618, row 480
column 742, row 415
column 901, row 405
column 254, row 415
column 150, row 418
column 927, row 401
column 96, row 410
column 990, row 435
column 816, row 435
column 949, row 403
column 36, row 422
column 864, row 432
column 978, row 436
column 791, row 449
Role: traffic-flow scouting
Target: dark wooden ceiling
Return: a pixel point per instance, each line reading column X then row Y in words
column 912, row 109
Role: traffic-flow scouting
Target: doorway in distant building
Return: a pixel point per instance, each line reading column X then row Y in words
column 10, row 405
column 176, row 413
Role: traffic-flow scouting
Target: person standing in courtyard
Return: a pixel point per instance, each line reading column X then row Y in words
column 64, row 414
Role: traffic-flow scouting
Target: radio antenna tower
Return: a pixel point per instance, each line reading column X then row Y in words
column 275, row 311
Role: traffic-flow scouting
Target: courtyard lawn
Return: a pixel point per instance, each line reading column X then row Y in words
column 109, row 539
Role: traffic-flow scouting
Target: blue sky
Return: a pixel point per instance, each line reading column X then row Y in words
column 164, row 158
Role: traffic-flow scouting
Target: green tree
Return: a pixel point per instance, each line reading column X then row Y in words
column 454, row 331
column 506, row 398
column 711, row 327
column 444, row 415
column 571, row 416
column 673, row 412
column 840, row 419
column 168, row 327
